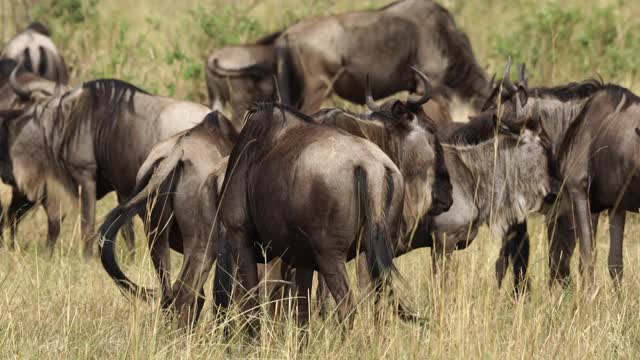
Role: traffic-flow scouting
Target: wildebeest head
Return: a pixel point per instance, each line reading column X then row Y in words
column 240, row 75
column 419, row 153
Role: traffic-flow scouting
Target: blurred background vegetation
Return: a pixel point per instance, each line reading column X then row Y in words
column 161, row 45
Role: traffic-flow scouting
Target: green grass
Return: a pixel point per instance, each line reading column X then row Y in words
column 66, row 307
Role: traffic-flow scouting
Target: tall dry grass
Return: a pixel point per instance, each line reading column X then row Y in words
column 65, row 307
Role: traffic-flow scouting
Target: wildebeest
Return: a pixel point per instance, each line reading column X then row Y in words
column 599, row 117
column 497, row 182
column 38, row 54
column 240, row 75
column 333, row 54
column 181, row 176
column 10, row 75
column 304, row 192
column 95, row 137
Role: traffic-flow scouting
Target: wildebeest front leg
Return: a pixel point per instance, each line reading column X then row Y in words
column 52, row 208
column 20, row 205
column 617, row 218
column 580, row 204
column 562, row 242
column 516, row 249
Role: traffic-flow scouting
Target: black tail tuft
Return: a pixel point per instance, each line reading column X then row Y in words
column 107, row 233
column 376, row 237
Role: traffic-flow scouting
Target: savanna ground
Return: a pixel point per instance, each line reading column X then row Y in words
column 64, row 306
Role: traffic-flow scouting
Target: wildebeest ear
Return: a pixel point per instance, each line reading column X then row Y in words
column 522, row 95
column 216, row 120
column 226, row 128
column 502, row 126
column 638, row 131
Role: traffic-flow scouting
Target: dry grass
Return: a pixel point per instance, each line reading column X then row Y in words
column 62, row 306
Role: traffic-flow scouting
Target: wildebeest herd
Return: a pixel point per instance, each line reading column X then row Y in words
column 303, row 189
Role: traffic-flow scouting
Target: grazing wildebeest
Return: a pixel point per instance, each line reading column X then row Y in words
column 240, row 75
column 38, row 54
column 333, row 54
column 95, row 137
column 497, row 182
column 304, row 192
column 181, row 176
column 561, row 111
column 10, row 74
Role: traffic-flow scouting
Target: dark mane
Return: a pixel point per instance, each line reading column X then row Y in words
column 479, row 129
column 39, row 28
column 570, row 91
column 567, row 92
column 111, row 85
column 615, row 94
column 266, row 106
column 268, row 39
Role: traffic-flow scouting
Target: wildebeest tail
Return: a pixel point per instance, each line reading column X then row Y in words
column 152, row 182
column 374, row 234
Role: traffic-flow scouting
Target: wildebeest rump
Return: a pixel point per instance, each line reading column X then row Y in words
column 38, row 54
column 180, row 181
column 304, row 192
column 333, row 54
column 95, row 139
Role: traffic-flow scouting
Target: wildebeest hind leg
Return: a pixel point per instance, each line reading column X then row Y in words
column 335, row 274
column 52, row 209
column 158, row 235
column 304, row 279
column 18, row 208
column 617, row 220
column 187, row 289
column 562, row 243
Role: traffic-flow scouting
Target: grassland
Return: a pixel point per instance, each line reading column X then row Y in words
column 65, row 307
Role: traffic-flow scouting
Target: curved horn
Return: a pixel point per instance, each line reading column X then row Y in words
column 506, row 81
column 419, row 101
column 22, row 91
column 492, row 82
column 524, row 78
column 251, row 70
column 371, row 104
